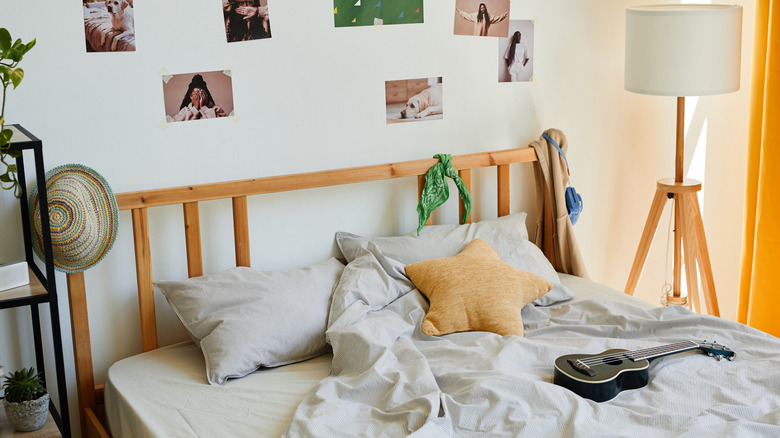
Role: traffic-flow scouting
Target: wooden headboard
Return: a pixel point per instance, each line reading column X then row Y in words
column 90, row 396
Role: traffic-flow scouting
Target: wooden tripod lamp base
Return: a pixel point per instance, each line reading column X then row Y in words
column 689, row 242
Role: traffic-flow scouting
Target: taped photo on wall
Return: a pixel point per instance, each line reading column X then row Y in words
column 350, row 13
column 246, row 20
column 109, row 26
column 196, row 96
column 516, row 53
column 412, row 100
column 482, row 17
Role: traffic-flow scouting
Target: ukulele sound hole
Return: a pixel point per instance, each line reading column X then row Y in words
column 612, row 361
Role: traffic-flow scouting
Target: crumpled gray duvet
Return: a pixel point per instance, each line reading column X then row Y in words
column 390, row 380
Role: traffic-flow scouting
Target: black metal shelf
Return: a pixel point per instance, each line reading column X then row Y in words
column 43, row 286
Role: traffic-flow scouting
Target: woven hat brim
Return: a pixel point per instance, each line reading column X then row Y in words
column 83, row 217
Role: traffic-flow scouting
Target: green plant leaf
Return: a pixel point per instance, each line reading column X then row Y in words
column 23, row 385
column 16, row 76
column 14, row 154
column 6, row 135
column 14, row 54
column 5, row 178
column 5, row 39
column 29, row 46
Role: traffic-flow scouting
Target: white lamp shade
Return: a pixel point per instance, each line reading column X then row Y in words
column 683, row 50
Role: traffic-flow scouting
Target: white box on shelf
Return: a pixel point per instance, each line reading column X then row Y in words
column 14, row 275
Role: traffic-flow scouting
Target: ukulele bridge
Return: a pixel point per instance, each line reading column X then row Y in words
column 581, row 367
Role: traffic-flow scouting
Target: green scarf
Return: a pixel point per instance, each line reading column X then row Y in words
column 436, row 191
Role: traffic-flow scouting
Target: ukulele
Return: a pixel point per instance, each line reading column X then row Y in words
column 601, row 377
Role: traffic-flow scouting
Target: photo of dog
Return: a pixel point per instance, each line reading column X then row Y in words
column 122, row 19
column 425, row 103
column 109, row 25
column 414, row 100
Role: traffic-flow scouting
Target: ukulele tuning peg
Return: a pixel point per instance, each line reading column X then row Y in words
column 730, row 358
column 718, row 357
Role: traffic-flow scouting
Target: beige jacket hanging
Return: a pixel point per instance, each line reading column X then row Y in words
column 552, row 177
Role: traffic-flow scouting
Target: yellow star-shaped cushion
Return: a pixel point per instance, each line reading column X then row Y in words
column 475, row 291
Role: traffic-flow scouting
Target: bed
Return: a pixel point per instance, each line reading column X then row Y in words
column 355, row 359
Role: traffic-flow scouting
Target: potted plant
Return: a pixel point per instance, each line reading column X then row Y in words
column 26, row 400
column 11, row 54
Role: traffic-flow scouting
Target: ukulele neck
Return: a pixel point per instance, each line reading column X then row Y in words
column 663, row 350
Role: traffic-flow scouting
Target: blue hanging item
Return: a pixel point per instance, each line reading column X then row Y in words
column 573, row 199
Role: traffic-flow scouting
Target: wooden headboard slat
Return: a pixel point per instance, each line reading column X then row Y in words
column 283, row 183
column 503, row 189
column 241, row 231
column 143, row 267
column 192, row 239
column 82, row 350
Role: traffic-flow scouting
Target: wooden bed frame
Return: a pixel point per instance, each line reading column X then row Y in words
column 91, row 397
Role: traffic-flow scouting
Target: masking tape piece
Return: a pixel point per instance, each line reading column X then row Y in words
column 234, row 117
column 165, row 74
column 228, row 72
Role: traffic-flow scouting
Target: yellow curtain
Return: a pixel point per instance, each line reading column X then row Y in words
column 759, row 293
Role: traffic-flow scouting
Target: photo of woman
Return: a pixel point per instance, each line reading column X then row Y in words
column 477, row 17
column 206, row 95
column 515, row 53
column 246, row 20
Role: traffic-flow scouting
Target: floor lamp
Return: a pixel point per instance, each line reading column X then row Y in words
column 682, row 50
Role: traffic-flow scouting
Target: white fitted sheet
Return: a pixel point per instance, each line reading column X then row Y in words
column 164, row 392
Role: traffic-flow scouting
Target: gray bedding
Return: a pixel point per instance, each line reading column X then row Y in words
column 390, row 380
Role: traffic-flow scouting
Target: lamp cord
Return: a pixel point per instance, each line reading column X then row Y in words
column 667, row 287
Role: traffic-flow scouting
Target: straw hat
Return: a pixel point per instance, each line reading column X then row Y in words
column 83, row 215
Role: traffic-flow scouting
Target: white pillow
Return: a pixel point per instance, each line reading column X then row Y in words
column 243, row 319
column 507, row 235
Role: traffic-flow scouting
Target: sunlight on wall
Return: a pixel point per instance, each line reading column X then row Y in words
column 696, row 167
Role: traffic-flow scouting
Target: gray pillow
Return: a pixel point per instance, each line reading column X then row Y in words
column 507, row 235
column 243, row 319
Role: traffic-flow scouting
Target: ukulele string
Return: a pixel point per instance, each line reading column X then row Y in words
column 595, row 360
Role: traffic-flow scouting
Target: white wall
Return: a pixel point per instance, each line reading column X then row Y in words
column 312, row 98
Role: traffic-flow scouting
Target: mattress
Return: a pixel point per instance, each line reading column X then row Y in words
column 164, row 392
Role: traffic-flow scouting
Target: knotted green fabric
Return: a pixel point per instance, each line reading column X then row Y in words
column 436, row 190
